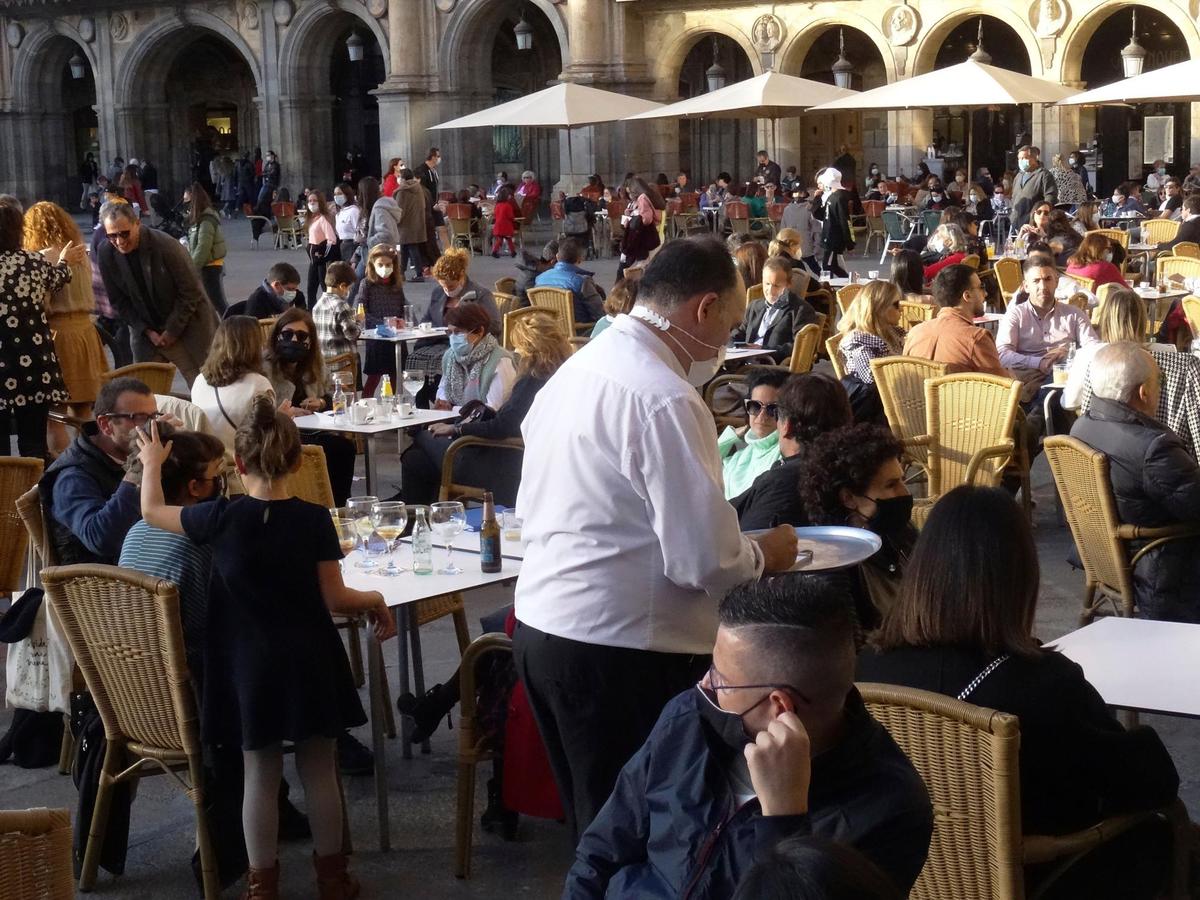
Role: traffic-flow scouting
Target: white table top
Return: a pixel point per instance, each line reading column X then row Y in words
column 838, row 282
column 988, row 318
column 408, row 587
column 1150, row 293
column 468, row 542
column 1139, row 664
column 408, row 334
column 327, row 422
column 1143, row 248
column 737, row 353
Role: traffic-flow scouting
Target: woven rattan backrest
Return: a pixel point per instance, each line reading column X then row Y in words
column 1191, row 310
column 1156, row 231
column 901, row 384
column 846, row 295
column 968, row 758
column 1008, row 275
column 505, row 303
column 29, row 508
column 972, row 260
column 804, row 350
column 913, row 312
column 506, row 285
column 754, row 292
column 1185, row 266
column 311, row 481
column 1186, row 248
column 966, row 413
column 558, row 300
column 833, row 347
column 124, row 629
column 35, row 855
column 1103, row 291
column 155, row 375
column 18, row 475
column 1120, row 235
column 1081, row 476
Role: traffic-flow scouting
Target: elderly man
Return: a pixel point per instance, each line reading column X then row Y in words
column 153, row 286
column 774, row 742
column 953, row 337
column 1154, row 480
column 772, row 321
column 1033, row 184
column 567, row 273
column 630, row 541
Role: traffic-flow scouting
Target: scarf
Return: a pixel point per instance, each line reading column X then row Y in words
column 464, row 375
column 831, row 180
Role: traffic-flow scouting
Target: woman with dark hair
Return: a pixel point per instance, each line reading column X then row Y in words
column 908, row 274
column 475, row 367
column 391, row 180
column 854, row 476
column 808, row 405
column 809, row 868
column 641, row 220
column 368, row 193
column 963, row 626
column 206, row 244
column 346, row 218
column 322, row 243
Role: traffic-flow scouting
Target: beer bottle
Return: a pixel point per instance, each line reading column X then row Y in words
column 489, row 537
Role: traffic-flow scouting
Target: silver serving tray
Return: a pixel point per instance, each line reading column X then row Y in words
column 824, row 547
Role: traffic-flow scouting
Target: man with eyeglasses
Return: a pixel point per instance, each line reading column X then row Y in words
column 771, row 322
column 774, row 742
column 90, row 502
column 153, row 285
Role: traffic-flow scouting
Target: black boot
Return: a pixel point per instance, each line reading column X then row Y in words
column 428, row 712
column 497, row 817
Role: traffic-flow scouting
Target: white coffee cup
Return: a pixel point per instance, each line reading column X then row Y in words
column 404, row 409
column 873, row 274
column 361, row 412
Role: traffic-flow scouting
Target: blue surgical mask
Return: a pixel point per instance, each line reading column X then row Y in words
column 460, row 345
column 1023, row 165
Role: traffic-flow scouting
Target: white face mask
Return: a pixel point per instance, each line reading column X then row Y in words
column 339, row 199
column 314, row 207
column 289, row 296
column 1117, row 201
column 701, row 371
column 383, row 271
column 1108, row 256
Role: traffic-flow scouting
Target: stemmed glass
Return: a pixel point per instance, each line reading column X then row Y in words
column 389, row 518
column 448, row 519
column 360, row 514
column 414, row 380
column 347, row 536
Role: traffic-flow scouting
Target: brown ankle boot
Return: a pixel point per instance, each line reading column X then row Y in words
column 333, row 881
column 262, row 884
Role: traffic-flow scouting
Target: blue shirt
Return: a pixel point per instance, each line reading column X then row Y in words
column 100, row 521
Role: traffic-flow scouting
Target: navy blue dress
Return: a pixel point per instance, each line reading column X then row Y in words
column 275, row 669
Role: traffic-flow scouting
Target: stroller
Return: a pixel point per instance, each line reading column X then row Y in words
column 170, row 218
column 579, row 215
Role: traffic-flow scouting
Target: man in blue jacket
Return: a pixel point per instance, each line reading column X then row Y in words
column 773, row 742
column 566, row 273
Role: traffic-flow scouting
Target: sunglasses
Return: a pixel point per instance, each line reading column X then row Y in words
column 299, row 337
column 119, row 235
column 754, row 408
column 138, row 419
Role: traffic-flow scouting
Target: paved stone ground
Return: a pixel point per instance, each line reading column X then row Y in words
column 422, row 791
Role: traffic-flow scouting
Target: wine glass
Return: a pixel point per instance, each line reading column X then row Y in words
column 389, row 518
column 360, row 514
column 414, row 380
column 347, row 537
column 448, row 519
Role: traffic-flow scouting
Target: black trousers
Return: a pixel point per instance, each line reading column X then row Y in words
column 212, row 277
column 30, row 422
column 595, row 706
column 339, row 461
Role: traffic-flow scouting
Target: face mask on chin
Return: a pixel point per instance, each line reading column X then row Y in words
column 701, row 371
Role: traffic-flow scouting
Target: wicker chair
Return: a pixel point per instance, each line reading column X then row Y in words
column 833, row 348
column 505, row 303
column 1085, row 284
column 1191, row 310
column 968, row 757
column 35, row 854
column 901, row 384
column 451, row 490
column 1104, row 542
column 342, row 365
column 1183, row 266
column 972, row 260
column 18, row 475
column 1008, row 277
column 511, row 317
column 266, row 326
column 846, row 295
column 1189, row 249
column 155, row 375
column 737, row 213
column 125, row 631
column 754, row 292
column 1119, row 235
column 472, row 749
column 804, row 348
column 506, row 285
column 1158, row 231
column 913, row 312
column 291, row 234
column 560, row 301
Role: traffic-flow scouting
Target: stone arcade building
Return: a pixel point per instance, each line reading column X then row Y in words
column 146, row 78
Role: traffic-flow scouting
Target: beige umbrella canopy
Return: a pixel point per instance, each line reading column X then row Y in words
column 1179, row 83
column 970, row 85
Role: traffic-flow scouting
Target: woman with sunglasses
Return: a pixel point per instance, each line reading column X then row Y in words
column 749, row 451
column 297, row 373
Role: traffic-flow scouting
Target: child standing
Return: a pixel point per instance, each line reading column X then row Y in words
column 337, row 326
column 381, row 293
column 504, row 218
column 275, row 669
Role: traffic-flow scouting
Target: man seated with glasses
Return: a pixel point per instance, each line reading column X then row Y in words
column 774, row 742
column 771, row 322
column 749, row 451
column 88, row 499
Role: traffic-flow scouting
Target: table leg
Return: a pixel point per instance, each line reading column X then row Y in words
column 418, row 671
column 378, row 714
column 370, row 465
column 399, row 347
column 402, row 655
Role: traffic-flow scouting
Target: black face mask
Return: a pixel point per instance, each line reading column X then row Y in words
column 892, row 515
column 726, row 725
column 291, row 351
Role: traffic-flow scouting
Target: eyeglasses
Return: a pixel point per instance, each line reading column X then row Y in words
column 293, row 336
column 755, row 407
column 119, row 235
column 709, row 686
column 138, row 419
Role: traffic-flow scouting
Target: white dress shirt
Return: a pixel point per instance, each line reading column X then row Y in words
column 630, row 541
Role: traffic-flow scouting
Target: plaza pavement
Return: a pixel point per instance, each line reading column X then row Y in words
column 422, row 790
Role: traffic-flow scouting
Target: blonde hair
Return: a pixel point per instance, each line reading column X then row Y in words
column 236, row 349
column 541, row 343
column 267, row 442
column 49, row 225
column 1123, row 317
column 868, row 313
column 787, row 241
column 452, row 265
column 622, row 297
column 953, row 238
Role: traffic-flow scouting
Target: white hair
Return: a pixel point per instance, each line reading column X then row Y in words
column 1118, row 370
column 117, row 209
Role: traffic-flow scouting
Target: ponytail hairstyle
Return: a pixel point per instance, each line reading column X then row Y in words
column 267, row 442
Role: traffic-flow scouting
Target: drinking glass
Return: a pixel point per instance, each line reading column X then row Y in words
column 414, row 380
column 389, row 518
column 409, row 316
column 347, row 537
column 360, row 514
column 448, row 520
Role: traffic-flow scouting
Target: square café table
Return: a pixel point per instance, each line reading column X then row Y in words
column 398, row 592
column 738, row 354
column 341, row 423
column 1139, row 664
column 399, row 339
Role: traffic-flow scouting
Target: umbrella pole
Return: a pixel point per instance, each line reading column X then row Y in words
column 570, row 164
column 970, row 145
column 775, row 138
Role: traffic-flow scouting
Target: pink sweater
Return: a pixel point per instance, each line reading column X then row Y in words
column 319, row 229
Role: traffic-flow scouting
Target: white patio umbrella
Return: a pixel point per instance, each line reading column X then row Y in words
column 771, row 95
column 970, row 85
column 1179, row 83
column 563, row 105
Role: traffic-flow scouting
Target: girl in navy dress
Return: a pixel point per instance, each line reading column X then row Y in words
column 275, row 669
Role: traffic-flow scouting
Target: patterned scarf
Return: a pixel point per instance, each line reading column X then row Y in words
column 463, row 376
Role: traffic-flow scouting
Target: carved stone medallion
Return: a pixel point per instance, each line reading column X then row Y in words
column 87, row 29
column 901, row 24
column 283, row 12
column 767, row 33
column 377, row 8
column 119, row 26
column 1048, row 17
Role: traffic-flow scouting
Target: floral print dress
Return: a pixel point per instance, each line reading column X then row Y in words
column 29, row 370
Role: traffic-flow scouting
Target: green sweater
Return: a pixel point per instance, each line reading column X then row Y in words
column 744, row 460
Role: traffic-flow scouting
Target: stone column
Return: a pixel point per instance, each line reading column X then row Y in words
column 1059, row 129
column 909, row 133
column 406, row 105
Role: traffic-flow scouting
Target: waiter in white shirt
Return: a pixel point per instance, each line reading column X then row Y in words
column 630, row 541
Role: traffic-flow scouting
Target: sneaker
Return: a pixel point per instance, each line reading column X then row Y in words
column 353, row 756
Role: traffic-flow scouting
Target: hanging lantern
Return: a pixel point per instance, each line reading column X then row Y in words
column 980, row 55
column 523, row 32
column 715, row 74
column 843, row 69
column 78, row 66
column 354, row 44
column 1133, row 57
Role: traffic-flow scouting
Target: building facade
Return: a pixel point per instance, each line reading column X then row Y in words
column 146, row 79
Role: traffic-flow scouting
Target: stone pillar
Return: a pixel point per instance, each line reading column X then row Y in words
column 1059, row 129
column 406, row 104
column 909, row 133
